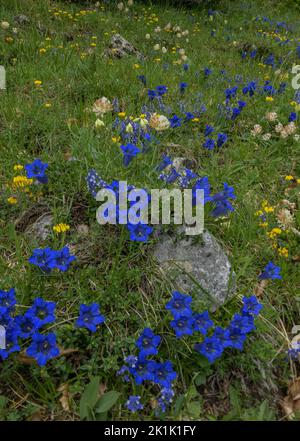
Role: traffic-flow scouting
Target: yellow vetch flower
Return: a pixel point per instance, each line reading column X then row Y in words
column 269, row 98
column 12, row 200
column 42, row 50
column 61, row 228
column 274, row 232
column 21, row 182
column 18, row 167
column 122, row 114
column 263, row 224
column 284, row 252
column 37, row 82
column 47, row 105
column 115, row 138
column 289, row 178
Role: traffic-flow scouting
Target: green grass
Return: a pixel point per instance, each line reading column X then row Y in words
column 111, row 270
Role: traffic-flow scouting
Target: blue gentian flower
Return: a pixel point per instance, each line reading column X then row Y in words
column 202, row 322
column 37, row 171
column 251, row 306
column 245, row 323
column 231, row 93
column 162, row 373
column 183, row 325
column 222, row 138
column 42, row 257
column 223, row 335
column 43, row 348
column 293, row 116
column 28, row 324
column 271, row 271
column 89, row 317
column 62, row 259
column 161, row 90
column 185, row 67
column 133, row 403
column 250, row 88
column 222, row 208
column 237, row 338
column 175, row 121
column 211, row 348
column 182, row 87
column 166, row 397
column 179, row 305
column 209, row 144
column 207, row 71
column 129, row 152
column 151, row 94
column 147, row 343
column 189, row 116
column 139, row 232
column 141, row 371
column 43, row 311
column 236, row 111
column 208, row 130
column 201, row 184
column 7, row 300
column 12, row 334
column 166, row 160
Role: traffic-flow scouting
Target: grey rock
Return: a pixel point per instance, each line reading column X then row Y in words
column 22, row 19
column 201, row 266
column 120, row 47
column 40, row 229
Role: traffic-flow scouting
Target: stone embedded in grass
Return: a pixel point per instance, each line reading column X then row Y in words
column 21, row 19
column 120, row 47
column 198, row 266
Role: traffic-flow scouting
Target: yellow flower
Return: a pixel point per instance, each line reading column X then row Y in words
column 195, row 119
column 12, row 200
column 115, row 138
column 284, row 252
column 61, row 228
column 121, row 114
column 136, row 66
column 42, row 50
column 269, row 98
column 289, row 178
column 47, row 105
column 298, row 181
column 273, row 233
column 18, row 167
column 21, row 182
column 37, row 82
column 263, row 224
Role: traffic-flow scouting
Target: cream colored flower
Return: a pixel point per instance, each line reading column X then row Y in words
column 99, row 124
column 257, row 129
column 147, row 36
column 157, row 29
column 266, row 136
column 4, row 25
column 101, row 106
column 284, row 134
column 290, row 128
column 120, row 6
column 271, row 116
column 156, row 47
column 279, row 128
column 164, row 50
column 159, row 122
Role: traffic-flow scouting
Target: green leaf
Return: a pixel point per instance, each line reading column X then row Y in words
column 179, row 404
column 107, row 401
column 89, row 398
